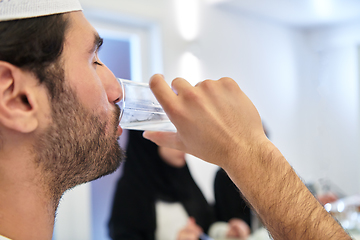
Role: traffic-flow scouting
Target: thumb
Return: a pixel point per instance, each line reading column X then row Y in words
column 164, row 139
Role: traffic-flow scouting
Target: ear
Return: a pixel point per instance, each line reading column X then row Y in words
column 18, row 108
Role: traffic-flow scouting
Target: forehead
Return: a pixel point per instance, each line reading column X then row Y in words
column 80, row 31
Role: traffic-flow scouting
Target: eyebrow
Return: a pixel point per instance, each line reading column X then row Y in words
column 98, row 41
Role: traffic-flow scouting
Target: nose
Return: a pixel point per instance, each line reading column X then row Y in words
column 111, row 85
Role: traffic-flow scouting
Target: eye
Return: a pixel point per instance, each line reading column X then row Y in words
column 98, row 63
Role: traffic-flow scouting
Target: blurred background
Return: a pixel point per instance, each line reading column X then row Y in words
column 298, row 61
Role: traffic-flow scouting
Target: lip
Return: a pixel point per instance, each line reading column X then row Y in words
column 119, row 131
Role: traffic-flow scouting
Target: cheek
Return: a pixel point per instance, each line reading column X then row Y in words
column 89, row 89
column 93, row 97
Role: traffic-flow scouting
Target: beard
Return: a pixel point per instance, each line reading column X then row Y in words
column 78, row 146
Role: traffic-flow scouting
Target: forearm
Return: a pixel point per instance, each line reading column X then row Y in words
column 217, row 122
column 281, row 200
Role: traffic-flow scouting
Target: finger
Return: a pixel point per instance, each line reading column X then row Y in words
column 179, row 85
column 192, row 226
column 162, row 91
column 198, row 83
column 164, row 139
column 191, row 220
column 188, row 236
column 241, row 228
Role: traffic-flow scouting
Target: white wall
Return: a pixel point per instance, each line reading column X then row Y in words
column 328, row 106
column 303, row 82
column 260, row 57
column 73, row 219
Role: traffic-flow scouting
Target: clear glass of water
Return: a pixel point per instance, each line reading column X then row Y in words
column 140, row 110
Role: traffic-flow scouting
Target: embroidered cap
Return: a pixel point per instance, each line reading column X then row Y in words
column 19, row 9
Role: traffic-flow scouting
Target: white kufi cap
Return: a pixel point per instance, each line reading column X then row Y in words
column 18, row 9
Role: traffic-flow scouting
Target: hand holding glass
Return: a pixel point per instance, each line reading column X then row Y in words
column 140, row 110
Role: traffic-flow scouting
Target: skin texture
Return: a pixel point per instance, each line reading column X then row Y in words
column 48, row 146
column 218, row 123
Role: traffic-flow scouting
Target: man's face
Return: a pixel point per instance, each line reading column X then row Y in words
column 95, row 85
column 81, row 142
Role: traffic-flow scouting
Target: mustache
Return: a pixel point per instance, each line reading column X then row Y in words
column 117, row 115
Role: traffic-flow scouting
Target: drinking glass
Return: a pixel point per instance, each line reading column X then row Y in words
column 140, row 110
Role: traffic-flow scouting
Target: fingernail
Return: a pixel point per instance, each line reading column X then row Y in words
column 145, row 134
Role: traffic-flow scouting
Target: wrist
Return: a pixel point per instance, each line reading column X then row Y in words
column 241, row 156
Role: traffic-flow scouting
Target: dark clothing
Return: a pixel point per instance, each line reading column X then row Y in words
column 229, row 202
column 146, row 179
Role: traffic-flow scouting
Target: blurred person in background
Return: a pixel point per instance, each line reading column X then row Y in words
column 157, row 198
column 230, row 206
column 156, row 194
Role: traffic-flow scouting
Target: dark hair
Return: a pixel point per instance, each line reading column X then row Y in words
column 34, row 44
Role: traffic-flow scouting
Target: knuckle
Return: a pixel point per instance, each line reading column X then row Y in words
column 190, row 94
column 226, row 79
column 229, row 83
column 209, row 85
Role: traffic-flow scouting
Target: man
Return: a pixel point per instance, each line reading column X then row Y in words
column 58, row 127
column 58, row 117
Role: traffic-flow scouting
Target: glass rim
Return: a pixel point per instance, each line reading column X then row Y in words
column 121, row 103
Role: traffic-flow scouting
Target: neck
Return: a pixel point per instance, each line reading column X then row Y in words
column 26, row 209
